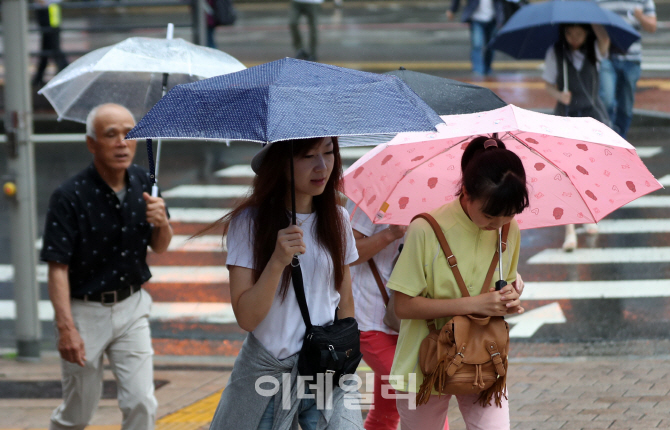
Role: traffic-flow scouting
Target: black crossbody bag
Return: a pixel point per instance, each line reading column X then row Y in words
column 332, row 350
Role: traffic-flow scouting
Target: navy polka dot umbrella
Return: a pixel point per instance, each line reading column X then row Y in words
column 284, row 100
column 287, row 99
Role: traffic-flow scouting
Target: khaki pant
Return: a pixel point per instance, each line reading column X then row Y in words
column 122, row 332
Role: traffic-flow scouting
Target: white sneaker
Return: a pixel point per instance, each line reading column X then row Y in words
column 570, row 243
column 591, row 228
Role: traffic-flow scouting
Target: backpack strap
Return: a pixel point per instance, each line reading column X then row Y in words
column 451, row 259
column 378, row 278
column 453, row 264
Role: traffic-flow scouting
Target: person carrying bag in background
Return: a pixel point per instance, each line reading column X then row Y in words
column 571, row 77
column 218, row 12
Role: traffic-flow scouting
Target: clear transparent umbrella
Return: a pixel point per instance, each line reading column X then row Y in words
column 134, row 73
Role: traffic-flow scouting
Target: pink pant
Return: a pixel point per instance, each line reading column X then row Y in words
column 431, row 415
column 378, row 349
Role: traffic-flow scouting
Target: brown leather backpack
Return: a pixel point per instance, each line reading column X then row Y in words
column 469, row 354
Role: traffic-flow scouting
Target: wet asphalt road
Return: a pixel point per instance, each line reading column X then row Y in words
column 378, row 34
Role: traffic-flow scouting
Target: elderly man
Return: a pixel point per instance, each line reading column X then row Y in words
column 97, row 230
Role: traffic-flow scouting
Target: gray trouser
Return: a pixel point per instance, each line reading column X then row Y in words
column 122, row 332
column 311, row 11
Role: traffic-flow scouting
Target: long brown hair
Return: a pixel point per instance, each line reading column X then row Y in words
column 268, row 202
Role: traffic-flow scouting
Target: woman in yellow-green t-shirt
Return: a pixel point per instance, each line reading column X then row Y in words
column 493, row 191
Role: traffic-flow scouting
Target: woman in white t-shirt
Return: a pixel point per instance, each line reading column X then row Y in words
column 261, row 244
column 572, row 78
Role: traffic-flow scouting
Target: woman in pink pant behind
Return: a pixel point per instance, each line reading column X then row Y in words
column 378, row 342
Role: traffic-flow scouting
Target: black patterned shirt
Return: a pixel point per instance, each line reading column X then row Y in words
column 102, row 240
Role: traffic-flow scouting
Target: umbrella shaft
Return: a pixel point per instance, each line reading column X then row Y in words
column 159, row 145
column 293, row 216
column 165, row 82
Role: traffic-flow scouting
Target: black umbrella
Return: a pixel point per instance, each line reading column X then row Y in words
column 449, row 97
column 444, row 96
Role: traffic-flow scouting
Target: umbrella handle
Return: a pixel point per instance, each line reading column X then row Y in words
column 500, row 283
column 152, row 167
column 295, row 262
column 170, row 31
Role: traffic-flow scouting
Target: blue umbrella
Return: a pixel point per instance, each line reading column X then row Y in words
column 284, row 100
column 534, row 28
column 287, row 99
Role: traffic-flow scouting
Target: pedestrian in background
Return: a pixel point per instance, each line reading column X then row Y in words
column 484, row 18
column 218, row 12
column 571, row 77
column 48, row 15
column 493, row 191
column 310, row 9
column 261, row 243
column 98, row 227
column 619, row 74
column 380, row 242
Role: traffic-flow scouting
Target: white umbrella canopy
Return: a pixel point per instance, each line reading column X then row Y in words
column 130, row 73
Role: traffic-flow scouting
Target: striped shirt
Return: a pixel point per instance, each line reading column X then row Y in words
column 625, row 9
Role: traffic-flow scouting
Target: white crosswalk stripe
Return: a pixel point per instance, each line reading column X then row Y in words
column 161, row 274
column 206, row 243
column 237, row 171
column 649, row 202
column 193, row 312
column 196, row 215
column 207, row 191
column 648, row 151
column 580, row 290
column 659, row 254
column 623, row 226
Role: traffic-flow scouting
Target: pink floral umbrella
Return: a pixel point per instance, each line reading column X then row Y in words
column 578, row 169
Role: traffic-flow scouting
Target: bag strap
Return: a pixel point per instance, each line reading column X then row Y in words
column 378, row 278
column 299, row 288
column 451, row 259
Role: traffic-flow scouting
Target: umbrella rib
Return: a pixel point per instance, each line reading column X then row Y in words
column 553, row 164
column 69, row 105
column 537, row 153
column 421, row 164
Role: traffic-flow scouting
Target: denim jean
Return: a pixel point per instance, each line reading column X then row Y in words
column 211, row 42
column 308, row 415
column 311, row 11
column 618, row 79
column 481, row 55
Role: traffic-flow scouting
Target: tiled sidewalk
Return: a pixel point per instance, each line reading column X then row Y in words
column 593, row 393
column 562, row 393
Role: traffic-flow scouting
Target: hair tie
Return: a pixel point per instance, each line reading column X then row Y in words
column 490, row 143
